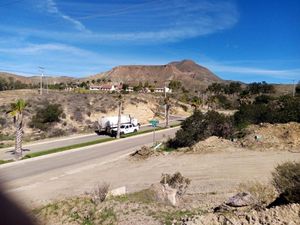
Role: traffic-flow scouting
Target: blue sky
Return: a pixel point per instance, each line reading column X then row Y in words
column 247, row 40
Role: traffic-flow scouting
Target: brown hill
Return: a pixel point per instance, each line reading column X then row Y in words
column 186, row 71
column 36, row 79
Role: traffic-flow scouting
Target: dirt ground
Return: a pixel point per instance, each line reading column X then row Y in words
column 218, row 172
column 215, row 177
column 269, row 137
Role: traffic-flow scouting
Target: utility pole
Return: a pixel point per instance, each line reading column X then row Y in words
column 41, row 83
column 119, row 116
column 166, row 107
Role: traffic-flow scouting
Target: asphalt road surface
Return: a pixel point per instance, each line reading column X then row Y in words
column 8, row 153
column 77, row 157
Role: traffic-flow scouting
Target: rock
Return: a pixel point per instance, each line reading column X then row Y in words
column 117, row 191
column 241, row 199
column 222, row 208
column 164, row 193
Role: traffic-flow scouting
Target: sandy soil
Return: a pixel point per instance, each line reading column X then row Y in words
column 212, row 172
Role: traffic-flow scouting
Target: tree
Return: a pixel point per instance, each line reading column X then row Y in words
column 16, row 111
column 48, row 114
column 175, row 85
column 233, row 87
column 3, row 84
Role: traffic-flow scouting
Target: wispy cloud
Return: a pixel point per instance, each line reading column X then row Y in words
column 273, row 73
column 31, row 49
column 62, row 59
column 51, row 7
column 140, row 23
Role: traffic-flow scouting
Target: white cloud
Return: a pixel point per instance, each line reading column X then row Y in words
column 155, row 22
column 289, row 74
column 52, row 8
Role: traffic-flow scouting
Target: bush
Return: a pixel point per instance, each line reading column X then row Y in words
column 176, row 181
column 46, row 115
column 100, row 192
column 266, row 109
column 286, row 180
column 199, row 127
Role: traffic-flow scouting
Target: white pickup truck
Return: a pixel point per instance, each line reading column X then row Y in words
column 109, row 124
column 125, row 128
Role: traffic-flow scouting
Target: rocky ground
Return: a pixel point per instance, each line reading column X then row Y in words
column 270, row 137
column 218, row 169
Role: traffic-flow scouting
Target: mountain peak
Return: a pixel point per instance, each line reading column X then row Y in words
column 185, row 61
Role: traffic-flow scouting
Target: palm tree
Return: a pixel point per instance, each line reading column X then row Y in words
column 16, row 111
column 167, row 102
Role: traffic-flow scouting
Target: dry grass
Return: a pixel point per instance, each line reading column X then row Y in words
column 264, row 193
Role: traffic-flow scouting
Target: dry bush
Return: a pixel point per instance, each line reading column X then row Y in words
column 100, row 192
column 264, row 193
column 286, row 180
column 176, row 181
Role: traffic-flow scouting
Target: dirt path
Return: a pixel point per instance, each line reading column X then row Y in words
column 213, row 172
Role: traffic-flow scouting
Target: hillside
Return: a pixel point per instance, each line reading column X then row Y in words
column 80, row 111
column 36, row 79
column 186, row 71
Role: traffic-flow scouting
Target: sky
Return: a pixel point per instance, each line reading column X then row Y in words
column 246, row 40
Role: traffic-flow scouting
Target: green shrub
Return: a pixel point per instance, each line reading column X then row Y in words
column 266, row 109
column 286, row 180
column 46, row 115
column 199, row 127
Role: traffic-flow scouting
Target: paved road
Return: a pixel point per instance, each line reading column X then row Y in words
column 7, row 153
column 76, row 158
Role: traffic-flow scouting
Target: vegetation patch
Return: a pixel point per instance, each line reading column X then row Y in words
column 5, row 161
column 46, row 115
column 66, row 148
column 286, row 180
column 200, row 126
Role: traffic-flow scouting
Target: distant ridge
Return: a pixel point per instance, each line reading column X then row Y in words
column 187, row 71
column 36, row 79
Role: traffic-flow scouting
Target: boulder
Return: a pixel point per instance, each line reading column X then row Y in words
column 241, row 199
column 164, row 193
